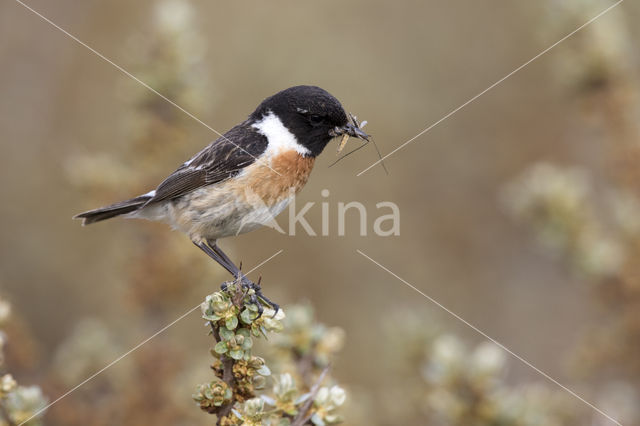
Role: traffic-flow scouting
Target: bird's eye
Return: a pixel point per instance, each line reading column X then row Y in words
column 316, row 119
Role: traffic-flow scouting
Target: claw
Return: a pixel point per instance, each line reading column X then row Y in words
column 257, row 297
column 276, row 308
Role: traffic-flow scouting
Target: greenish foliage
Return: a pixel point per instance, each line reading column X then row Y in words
column 244, row 391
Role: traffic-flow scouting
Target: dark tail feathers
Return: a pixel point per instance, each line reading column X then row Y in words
column 113, row 210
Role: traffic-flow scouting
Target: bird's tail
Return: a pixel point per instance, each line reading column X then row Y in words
column 117, row 209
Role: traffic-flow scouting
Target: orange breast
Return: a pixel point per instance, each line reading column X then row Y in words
column 292, row 169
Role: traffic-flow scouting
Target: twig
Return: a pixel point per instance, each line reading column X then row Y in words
column 302, row 418
column 227, row 376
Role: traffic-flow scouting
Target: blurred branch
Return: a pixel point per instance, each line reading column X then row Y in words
column 594, row 223
column 302, row 417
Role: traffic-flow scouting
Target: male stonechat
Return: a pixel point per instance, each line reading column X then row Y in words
column 269, row 156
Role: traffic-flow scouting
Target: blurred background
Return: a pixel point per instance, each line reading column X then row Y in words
column 520, row 213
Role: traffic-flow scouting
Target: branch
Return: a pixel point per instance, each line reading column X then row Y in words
column 302, row 416
column 227, row 376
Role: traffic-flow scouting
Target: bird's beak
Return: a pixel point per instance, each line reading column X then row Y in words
column 355, row 131
column 352, row 128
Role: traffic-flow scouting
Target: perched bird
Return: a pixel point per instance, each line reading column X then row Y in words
column 243, row 179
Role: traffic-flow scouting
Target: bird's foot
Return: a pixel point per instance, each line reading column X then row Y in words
column 254, row 291
column 257, row 297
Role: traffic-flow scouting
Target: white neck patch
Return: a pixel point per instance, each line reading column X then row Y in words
column 278, row 136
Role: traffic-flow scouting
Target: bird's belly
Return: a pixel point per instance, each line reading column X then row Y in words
column 240, row 204
column 250, row 217
column 216, row 212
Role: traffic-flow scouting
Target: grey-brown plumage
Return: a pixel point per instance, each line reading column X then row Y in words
column 117, row 209
column 220, row 160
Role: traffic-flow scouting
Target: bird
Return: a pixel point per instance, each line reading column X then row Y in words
column 246, row 177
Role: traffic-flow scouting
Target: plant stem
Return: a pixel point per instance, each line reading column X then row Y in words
column 302, row 416
column 227, row 377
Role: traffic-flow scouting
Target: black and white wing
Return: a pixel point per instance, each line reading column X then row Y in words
column 222, row 159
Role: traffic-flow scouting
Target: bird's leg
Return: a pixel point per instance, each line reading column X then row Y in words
column 246, row 283
column 227, row 264
column 236, row 271
column 216, row 253
column 215, row 256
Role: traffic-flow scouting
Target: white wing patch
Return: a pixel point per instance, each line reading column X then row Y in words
column 278, row 136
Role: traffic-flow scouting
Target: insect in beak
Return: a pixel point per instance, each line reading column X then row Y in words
column 353, row 128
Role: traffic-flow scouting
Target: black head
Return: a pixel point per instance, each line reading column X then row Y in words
column 311, row 114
